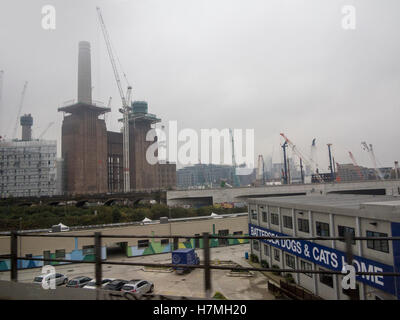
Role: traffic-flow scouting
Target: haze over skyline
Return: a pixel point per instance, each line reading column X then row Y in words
column 277, row 66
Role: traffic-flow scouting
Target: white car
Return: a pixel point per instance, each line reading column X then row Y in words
column 92, row 284
column 138, row 287
column 60, row 278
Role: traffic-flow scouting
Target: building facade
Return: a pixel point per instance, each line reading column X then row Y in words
column 76, row 248
column 115, row 173
column 208, row 175
column 330, row 216
column 167, row 175
column 28, row 168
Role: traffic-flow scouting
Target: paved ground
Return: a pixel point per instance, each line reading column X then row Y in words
column 189, row 285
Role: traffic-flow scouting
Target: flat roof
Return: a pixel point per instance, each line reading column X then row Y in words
column 368, row 206
column 80, row 106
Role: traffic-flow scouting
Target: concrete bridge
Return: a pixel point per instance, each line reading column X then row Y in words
column 80, row 200
column 240, row 195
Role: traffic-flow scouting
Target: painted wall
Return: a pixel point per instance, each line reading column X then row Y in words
column 76, row 254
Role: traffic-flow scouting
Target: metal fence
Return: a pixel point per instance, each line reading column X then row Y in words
column 206, row 263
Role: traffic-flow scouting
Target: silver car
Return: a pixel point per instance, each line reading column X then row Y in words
column 138, row 287
column 60, row 278
column 92, row 284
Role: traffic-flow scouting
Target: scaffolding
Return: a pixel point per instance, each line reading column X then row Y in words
column 28, row 168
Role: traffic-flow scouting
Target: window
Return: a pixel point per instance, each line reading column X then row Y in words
column 254, row 214
column 164, row 242
column 322, row 229
column 264, row 216
column 290, row 261
column 46, row 256
column 86, row 250
column 223, row 233
column 379, row 245
column 266, row 250
column 288, row 222
column 275, row 219
column 277, row 255
column 60, row 254
column 326, row 279
column 342, row 230
column 143, row 243
column 303, row 225
column 237, row 233
column 256, row 245
column 306, row 266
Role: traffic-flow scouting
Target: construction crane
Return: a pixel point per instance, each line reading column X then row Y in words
column 371, row 154
column 125, row 103
column 45, row 130
column 235, row 178
column 301, row 156
column 14, row 133
column 356, row 165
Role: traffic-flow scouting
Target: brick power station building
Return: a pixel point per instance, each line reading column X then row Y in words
column 93, row 156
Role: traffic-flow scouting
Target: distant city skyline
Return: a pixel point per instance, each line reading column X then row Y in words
column 269, row 66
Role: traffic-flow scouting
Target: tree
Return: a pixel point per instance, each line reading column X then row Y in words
column 116, row 216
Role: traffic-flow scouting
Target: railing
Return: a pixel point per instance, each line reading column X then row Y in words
column 206, row 265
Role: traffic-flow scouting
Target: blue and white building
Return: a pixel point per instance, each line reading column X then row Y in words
column 331, row 216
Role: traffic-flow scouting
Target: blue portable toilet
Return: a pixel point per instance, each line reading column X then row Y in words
column 246, row 255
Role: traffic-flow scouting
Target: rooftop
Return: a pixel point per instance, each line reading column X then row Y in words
column 368, row 206
column 80, row 106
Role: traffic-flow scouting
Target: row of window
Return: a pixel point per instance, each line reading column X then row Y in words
column 225, row 232
column 290, row 260
column 322, row 229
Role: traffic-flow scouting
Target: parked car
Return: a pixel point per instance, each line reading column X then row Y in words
column 59, row 277
column 78, row 282
column 115, row 285
column 92, row 284
column 138, row 287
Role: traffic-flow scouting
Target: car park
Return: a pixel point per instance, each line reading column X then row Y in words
column 115, row 285
column 59, row 278
column 138, row 287
column 78, row 282
column 92, row 284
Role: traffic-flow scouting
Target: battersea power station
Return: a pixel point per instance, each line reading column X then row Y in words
column 93, row 156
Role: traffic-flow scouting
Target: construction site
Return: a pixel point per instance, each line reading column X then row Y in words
column 95, row 160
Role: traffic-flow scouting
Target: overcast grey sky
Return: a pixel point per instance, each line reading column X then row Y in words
column 272, row 65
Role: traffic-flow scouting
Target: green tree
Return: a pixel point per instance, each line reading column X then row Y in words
column 116, row 215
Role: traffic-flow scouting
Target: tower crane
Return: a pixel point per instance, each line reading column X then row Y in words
column 371, row 154
column 125, row 103
column 14, row 133
column 301, row 156
column 356, row 165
